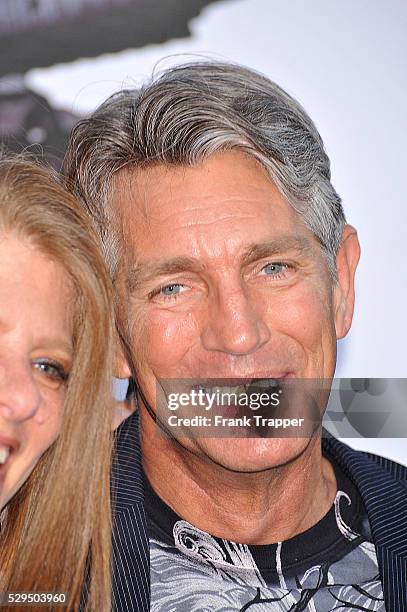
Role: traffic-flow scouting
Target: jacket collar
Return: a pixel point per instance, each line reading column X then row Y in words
column 126, row 476
column 382, row 485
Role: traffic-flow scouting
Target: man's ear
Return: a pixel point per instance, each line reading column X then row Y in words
column 121, row 365
column 344, row 290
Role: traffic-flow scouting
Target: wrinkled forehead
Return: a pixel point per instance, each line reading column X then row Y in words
column 230, row 198
column 132, row 204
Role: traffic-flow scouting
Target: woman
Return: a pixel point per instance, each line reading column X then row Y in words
column 55, row 392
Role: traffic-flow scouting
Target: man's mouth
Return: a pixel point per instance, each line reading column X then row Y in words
column 238, row 386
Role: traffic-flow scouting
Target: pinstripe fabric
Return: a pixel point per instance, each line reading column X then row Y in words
column 131, row 555
column 381, row 483
column 383, row 486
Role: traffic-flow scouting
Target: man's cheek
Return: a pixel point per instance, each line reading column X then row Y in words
column 167, row 337
column 301, row 314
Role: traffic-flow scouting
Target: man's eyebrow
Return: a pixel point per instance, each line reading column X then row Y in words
column 279, row 246
column 143, row 272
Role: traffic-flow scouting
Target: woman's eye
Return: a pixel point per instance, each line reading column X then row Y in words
column 54, row 373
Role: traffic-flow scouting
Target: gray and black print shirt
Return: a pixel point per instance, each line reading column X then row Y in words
column 331, row 566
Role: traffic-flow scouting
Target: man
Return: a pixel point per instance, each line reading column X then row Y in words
column 232, row 260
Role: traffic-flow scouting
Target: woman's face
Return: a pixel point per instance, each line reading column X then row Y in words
column 35, row 357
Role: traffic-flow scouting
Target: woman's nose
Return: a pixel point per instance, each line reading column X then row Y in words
column 20, row 396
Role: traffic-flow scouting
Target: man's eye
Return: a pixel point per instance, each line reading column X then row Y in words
column 277, row 269
column 170, row 291
column 173, row 289
column 54, row 373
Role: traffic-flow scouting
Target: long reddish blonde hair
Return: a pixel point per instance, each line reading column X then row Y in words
column 57, row 528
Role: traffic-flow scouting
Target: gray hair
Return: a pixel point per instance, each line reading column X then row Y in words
column 189, row 113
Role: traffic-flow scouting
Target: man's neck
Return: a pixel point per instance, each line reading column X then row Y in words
column 253, row 508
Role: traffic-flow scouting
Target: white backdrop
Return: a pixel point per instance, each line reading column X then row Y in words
column 345, row 61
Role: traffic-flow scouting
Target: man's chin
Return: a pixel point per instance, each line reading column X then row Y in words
column 250, row 455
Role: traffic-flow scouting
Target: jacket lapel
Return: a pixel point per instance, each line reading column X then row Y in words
column 383, row 487
column 131, row 554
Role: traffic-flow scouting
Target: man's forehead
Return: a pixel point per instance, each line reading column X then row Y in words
column 154, row 217
column 128, row 198
column 137, row 190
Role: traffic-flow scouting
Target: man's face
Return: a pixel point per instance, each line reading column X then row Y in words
column 222, row 279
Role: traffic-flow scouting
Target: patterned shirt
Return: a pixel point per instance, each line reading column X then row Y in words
column 331, row 566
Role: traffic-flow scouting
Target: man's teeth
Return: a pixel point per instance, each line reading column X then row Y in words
column 4, row 454
column 258, row 383
column 264, row 383
column 214, row 390
column 224, row 394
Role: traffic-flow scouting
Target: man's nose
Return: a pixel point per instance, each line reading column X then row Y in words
column 20, row 396
column 235, row 324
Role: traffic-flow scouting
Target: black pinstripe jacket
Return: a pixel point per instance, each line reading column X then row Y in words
column 382, row 484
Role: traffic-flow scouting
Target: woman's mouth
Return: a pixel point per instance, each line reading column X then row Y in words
column 4, row 454
column 7, row 447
